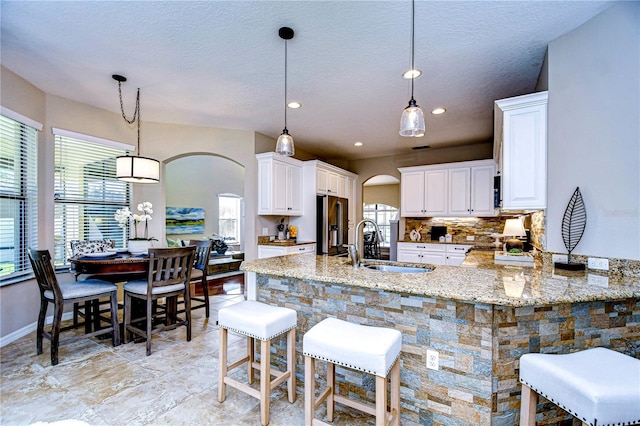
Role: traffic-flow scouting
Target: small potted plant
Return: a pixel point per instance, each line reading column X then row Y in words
column 218, row 244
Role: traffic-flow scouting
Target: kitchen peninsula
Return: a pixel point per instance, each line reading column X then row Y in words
column 480, row 317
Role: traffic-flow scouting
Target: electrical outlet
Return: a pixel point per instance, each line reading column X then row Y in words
column 471, row 238
column 598, row 263
column 432, row 359
column 265, row 231
column 559, row 258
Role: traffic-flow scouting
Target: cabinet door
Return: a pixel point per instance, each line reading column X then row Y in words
column 524, row 152
column 332, row 183
column 433, row 258
column 265, row 187
column 435, row 198
column 342, row 186
column 459, row 192
column 321, row 181
column 412, row 194
column 411, row 256
column 482, row 191
column 280, row 188
column 271, row 251
column 294, row 190
column 454, row 259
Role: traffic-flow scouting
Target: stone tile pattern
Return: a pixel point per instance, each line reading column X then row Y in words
column 479, row 345
column 480, row 227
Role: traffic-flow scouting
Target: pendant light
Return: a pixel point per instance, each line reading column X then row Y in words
column 284, row 146
column 412, row 120
column 135, row 169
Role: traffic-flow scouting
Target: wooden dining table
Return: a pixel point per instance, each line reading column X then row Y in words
column 118, row 267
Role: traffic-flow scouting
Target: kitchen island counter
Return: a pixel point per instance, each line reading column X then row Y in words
column 479, row 279
column 480, row 318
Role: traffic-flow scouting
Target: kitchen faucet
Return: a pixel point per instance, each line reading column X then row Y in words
column 354, row 249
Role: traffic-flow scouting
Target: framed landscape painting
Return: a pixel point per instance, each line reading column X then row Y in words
column 185, row 220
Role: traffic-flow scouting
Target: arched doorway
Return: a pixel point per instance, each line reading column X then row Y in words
column 381, row 203
column 208, row 182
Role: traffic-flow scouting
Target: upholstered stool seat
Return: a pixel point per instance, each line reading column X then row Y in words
column 598, row 386
column 264, row 322
column 373, row 350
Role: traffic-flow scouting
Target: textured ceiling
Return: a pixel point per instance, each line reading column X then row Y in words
column 221, row 63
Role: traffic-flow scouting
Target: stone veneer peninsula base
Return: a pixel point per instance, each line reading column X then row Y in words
column 479, row 343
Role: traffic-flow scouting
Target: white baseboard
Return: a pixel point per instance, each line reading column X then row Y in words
column 12, row 337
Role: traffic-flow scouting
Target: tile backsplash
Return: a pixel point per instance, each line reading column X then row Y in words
column 479, row 227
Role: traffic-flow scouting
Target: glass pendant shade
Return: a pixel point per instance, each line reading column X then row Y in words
column 284, row 146
column 412, row 121
column 137, row 169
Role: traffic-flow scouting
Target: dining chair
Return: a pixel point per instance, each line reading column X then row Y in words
column 199, row 273
column 53, row 292
column 82, row 247
column 168, row 276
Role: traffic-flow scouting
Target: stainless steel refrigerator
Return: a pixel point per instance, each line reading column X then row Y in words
column 332, row 225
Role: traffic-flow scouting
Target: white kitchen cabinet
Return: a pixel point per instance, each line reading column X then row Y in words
column 471, row 191
column 265, row 251
column 279, row 185
column 520, row 149
column 330, row 183
column 424, row 193
column 456, row 253
column 454, row 189
column 433, row 254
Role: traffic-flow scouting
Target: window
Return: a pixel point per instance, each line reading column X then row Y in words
column 87, row 193
column 18, row 196
column 381, row 214
column 229, row 217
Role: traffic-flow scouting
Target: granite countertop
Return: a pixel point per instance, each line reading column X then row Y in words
column 477, row 280
column 285, row 243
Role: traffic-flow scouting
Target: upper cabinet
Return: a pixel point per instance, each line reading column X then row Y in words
column 279, row 185
column 520, row 150
column 454, row 189
column 424, row 193
column 330, row 181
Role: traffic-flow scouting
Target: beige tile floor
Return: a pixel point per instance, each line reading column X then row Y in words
column 177, row 385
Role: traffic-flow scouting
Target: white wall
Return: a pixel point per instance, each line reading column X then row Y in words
column 196, row 181
column 594, row 132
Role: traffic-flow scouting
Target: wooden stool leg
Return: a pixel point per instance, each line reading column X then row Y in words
column 265, row 380
column 222, row 368
column 309, row 389
column 528, row 404
column 291, row 364
column 331, row 385
column 395, row 393
column 251, row 354
column 381, row 401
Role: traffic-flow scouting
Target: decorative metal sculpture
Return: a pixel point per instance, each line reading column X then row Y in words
column 573, row 225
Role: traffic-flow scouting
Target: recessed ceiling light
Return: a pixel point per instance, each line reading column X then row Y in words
column 412, row 73
column 358, row 144
column 438, row 111
column 294, row 105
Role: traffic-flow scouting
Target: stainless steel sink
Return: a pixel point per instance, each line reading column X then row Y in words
column 394, row 268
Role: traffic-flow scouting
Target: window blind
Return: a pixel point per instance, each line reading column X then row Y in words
column 86, row 194
column 18, row 197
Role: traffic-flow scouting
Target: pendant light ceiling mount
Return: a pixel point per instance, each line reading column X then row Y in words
column 284, row 146
column 412, row 120
column 129, row 168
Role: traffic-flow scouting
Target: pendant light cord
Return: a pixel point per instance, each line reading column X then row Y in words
column 413, row 15
column 285, row 84
column 136, row 113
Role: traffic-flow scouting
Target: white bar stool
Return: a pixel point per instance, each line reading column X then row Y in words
column 374, row 350
column 263, row 322
column 598, row 386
